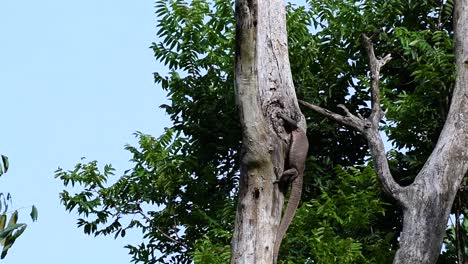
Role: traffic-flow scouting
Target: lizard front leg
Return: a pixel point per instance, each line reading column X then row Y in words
column 286, row 179
column 289, row 175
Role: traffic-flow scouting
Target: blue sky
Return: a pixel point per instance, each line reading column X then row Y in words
column 75, row 80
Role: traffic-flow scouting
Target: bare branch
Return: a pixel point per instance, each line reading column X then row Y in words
column 389, row 185
column 348, row 119
column 385, row 59
column 369, row 127
column 345, row 109
column 375, row 66
column 376, row 146
column 371, row 133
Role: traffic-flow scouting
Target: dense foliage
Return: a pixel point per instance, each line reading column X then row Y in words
column 341, row 224
column 181, row 190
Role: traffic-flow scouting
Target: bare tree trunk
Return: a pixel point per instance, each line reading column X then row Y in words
column 430, row 197
column 427, row 201
column 264, row 88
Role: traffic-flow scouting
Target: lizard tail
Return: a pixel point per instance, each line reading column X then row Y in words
column 293, row 203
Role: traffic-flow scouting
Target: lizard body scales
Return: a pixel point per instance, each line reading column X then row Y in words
column 299, row 147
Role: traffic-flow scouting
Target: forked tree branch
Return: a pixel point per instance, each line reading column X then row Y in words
column 375, row 66
column 348, row 119
column 369, row 127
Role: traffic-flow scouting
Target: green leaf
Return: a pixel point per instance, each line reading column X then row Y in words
column 6, row 164
column 414, row 42
column 3, row 219
column 33, row 213
column 9, row 240
column 13, row 219
column 9, row 230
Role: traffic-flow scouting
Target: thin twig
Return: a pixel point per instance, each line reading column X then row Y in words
column 160, row 231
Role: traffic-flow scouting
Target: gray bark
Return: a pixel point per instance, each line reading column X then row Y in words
column 429, row 199
column 426, row 203
column 264, row 88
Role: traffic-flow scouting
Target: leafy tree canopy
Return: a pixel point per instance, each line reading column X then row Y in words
column 181, row 189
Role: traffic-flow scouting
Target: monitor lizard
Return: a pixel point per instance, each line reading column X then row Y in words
column 299, row 147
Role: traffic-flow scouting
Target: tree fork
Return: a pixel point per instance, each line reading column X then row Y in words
column 426, row 203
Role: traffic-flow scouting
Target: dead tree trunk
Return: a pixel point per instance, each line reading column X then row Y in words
column 264, row 88
column 426, row 203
